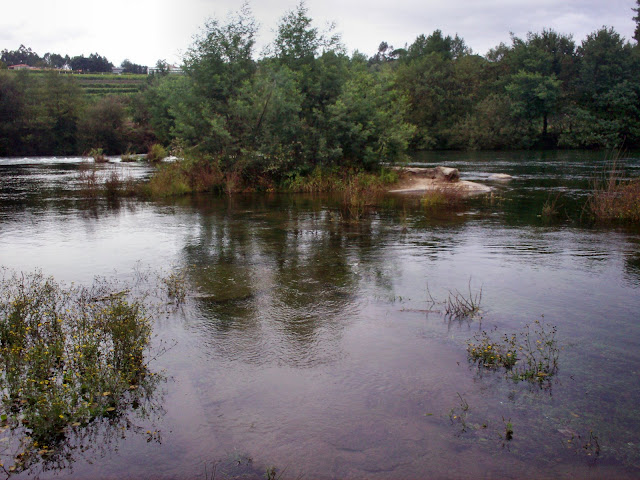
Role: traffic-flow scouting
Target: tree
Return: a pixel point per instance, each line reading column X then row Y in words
column 11, row 114
column 103, row 125
column 220, row 59
column 533, row 96
column 92, row 63
column 130, row 67
column 367, row 122
column 636, row 33
column 297, row 43
column 22, row 55
column 449, row 48
column 55, row 60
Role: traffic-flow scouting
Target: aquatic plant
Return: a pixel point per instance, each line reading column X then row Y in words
column 71, row 358
column 615, row 199
column 98, row 155
column 508, row 429
column 88, row 179
column 550, row 208
column 176, row 286
column 459, row 305
column 157, row 153
column 530, row 355
column 459, row 413
column 441, row 197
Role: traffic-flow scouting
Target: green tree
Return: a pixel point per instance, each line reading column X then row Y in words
column 367, row 121
column 267, row 120
column 636, row 32
column 533, row 96
column 130, row 67
column 11, row 113
column 607, row 93
column 220, row 59
column 103, row 124
column 23, row 55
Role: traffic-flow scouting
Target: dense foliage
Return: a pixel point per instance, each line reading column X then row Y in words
column 306, row 103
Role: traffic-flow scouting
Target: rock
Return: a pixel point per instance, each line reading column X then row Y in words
column 500, row 176
column 443, row 174
column 447, row 174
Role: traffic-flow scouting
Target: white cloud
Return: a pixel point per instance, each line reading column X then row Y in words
column 146, row 30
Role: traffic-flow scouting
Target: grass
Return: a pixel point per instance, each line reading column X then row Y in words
column 530, row 355
column 358, row 189
column 459, row 305
column 459, row 413
column 615, row 199
column 186, row 176
column 508, row 429
column 176, row 286
column 157, row 153
column 71, row 358
column 441, row 197
column 115, row 184
column 551, row 207
column 98, row 155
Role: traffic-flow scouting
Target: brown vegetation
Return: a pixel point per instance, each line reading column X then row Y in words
column 615, row 199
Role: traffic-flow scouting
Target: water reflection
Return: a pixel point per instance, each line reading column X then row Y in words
column 306, row 340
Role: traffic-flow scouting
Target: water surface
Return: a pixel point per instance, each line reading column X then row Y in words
column 309, row 343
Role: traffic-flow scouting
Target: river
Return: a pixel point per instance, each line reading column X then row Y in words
column 314, row 346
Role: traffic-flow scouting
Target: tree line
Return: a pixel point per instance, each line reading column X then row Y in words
column 306, row 102
column 94, row 63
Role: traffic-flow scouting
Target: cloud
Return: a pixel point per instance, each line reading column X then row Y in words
column 146, row 30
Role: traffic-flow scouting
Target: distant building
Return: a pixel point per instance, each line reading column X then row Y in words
column 117, row 70
column 172, row 69
column 22, row 66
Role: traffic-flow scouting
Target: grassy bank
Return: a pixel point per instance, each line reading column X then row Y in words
column 196, row 176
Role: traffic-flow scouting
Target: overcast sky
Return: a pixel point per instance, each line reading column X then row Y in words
column 147, row 30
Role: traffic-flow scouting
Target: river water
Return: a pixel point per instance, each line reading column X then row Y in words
column 312, row 345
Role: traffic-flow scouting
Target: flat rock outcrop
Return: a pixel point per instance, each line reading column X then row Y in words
column 416, row 179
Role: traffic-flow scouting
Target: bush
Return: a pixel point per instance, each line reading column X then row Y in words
column 69, row 357
column 615, row 199
column 157, row 153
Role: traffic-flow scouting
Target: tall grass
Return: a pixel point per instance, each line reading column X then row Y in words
column 615, row 199
column 186, row 176
column 112, row 184
column 442, row 197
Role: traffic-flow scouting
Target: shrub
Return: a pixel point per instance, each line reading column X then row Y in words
column 530, row 355
column 98, row 155
column 69, row 357
column 615, row 199
column 157, row 153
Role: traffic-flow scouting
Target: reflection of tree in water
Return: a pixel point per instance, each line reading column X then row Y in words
column 74, row 370
column 285, row 270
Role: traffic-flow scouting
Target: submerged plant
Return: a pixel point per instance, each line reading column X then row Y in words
column 550, row 209
column 508, row 429
column 70, row 359
column 176, row 286
column 530, row 355
column 459, row 413
column 459, row 305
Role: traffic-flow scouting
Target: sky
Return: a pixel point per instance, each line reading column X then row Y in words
column 145, row 31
